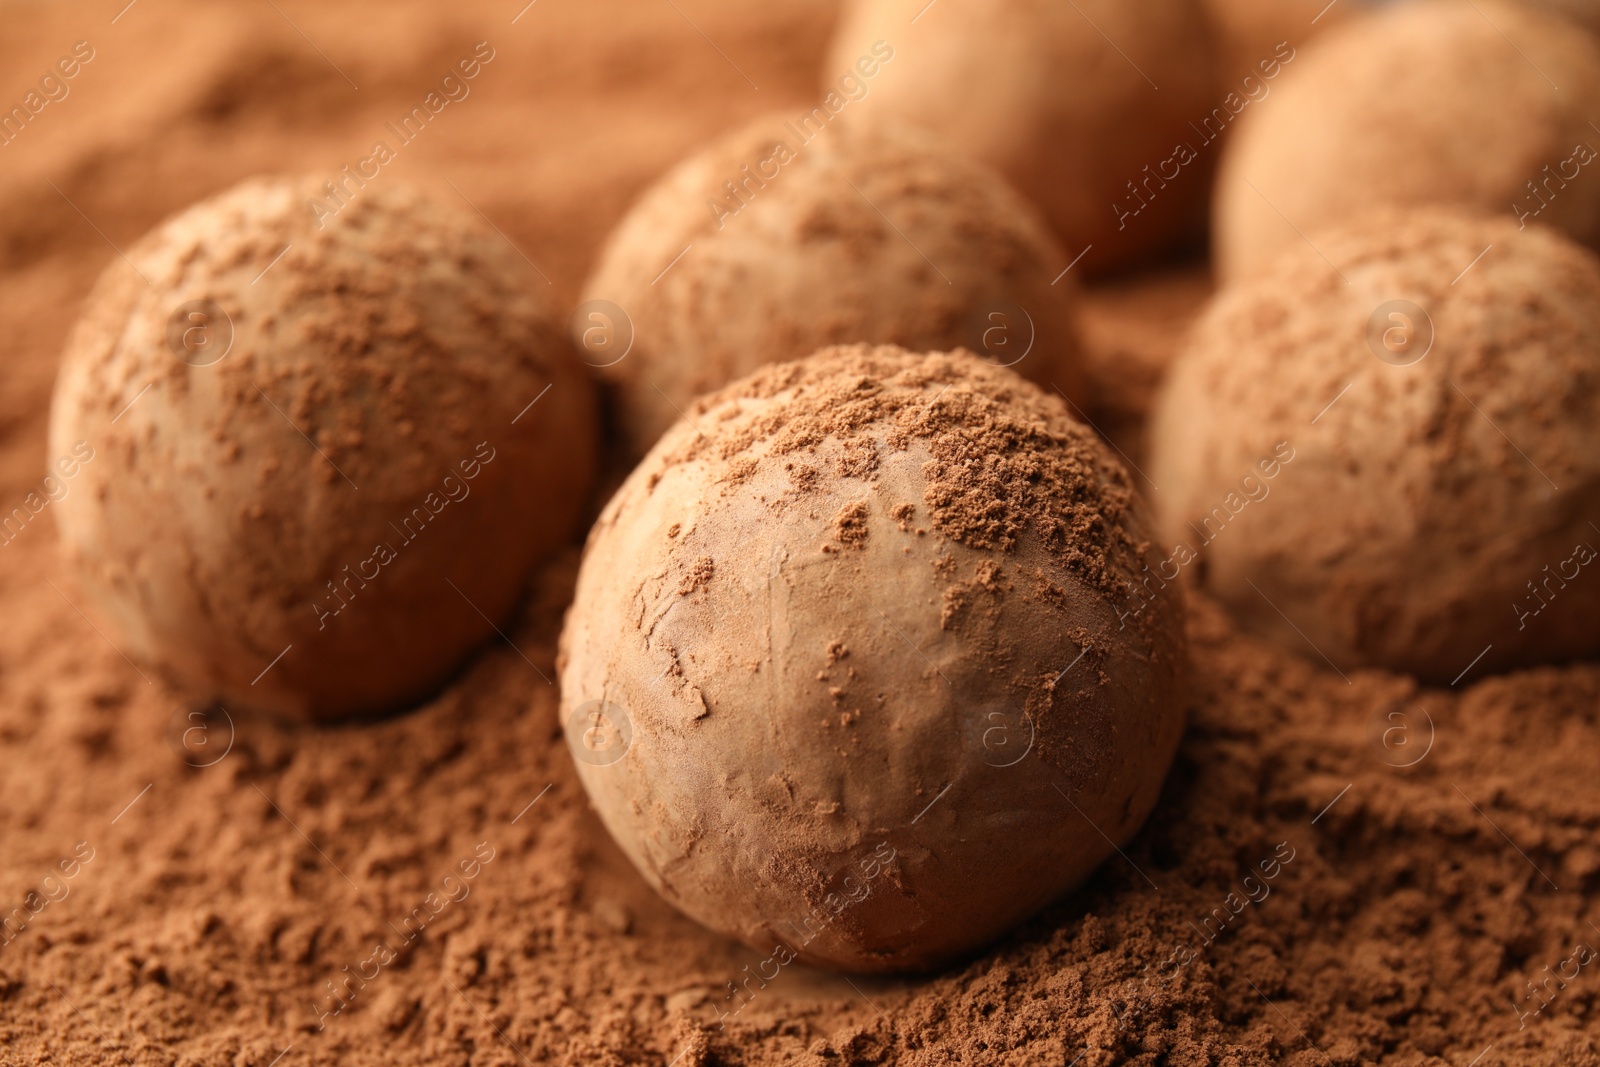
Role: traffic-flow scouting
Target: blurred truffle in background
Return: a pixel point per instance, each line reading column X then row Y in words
column 1248, row 31
column 317, row 482
column 1585, row 13
column 795, row 232
column 1085, row 107
column 1385, row 450
column 1483, row 105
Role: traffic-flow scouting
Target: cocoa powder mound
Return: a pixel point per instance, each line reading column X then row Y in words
column 1445, row 841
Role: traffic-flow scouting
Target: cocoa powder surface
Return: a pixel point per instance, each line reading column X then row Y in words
column 1005, row 458
column 1434, row 850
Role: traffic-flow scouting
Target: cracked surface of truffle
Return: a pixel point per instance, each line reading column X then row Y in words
column 878, row 690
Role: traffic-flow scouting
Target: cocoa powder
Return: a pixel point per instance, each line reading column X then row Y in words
column 1421, row 902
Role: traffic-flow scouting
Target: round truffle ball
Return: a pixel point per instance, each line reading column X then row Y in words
column 322, row 458
column 1430, row 102
column 1397, row 464
column 786, row 236
column 1070, row 102
column 865, row 664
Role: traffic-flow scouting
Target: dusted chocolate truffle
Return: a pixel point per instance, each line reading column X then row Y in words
column 785, row 236
column 1429, row 102
column 1085, row 107
column 1398, row 466
column 317, row 480
column 857, row 671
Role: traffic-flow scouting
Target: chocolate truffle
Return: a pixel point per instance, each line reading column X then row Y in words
column 873, row 653
column 1085, row 107
column 788, row 235
column 1394, row 460
column 317, row 480
column 1432, row 102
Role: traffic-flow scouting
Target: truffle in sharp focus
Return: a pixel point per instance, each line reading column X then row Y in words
column 887, row 653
